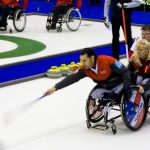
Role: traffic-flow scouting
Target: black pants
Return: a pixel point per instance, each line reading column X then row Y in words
column 94, row 2
column 58, row 10
column 116, row 23
column 4, row 13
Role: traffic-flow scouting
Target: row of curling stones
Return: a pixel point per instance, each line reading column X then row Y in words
column 63, row 70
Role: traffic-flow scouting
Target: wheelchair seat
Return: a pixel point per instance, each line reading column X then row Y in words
column 72, row 18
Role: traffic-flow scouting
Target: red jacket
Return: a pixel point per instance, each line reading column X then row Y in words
column 108, row 73
column 130, row 53
column 14, row 3
column 79, row 2
column 142, row 70
column 104, row 70
column 1, row 2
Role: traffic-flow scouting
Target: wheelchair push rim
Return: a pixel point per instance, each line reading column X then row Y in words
column 19, row 22
column 73, row 19
column 134, row 111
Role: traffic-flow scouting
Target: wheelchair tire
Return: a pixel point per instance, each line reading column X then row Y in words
column 134, row 113
column 19, row 15
column 71, row 17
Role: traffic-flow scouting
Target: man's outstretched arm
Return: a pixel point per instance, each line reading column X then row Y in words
column 69, row 80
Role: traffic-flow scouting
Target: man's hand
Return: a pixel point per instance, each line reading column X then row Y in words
column 141, row 89
column 51, row 91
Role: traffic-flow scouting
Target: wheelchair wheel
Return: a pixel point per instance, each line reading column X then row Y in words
column 89, row 116
column 134, row 111
column 19, row 20
column 49, row 20
column 73, row 19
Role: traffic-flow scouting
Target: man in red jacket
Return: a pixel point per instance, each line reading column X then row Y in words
column 110, row 75
column 6, row 6
column 62, row 7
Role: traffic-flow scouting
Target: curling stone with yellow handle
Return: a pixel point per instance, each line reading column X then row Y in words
column 73, row 68
column 54, row 72
column 64, row 69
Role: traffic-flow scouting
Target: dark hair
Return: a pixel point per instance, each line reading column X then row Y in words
column 89, row 52
column 146, row 28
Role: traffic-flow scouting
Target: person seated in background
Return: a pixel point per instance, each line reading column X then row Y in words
column 139, row 67
column 6, row 6
column 145, row 34
column 62, row 7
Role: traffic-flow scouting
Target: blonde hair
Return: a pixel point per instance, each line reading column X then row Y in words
column 144, row 45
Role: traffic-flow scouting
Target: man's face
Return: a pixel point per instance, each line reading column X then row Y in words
column 143, row 54
column 86, row 61
column 146, row 35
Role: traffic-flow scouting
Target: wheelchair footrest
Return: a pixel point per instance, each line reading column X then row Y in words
column 105, row 127
column 110, row 123
column 100, row 126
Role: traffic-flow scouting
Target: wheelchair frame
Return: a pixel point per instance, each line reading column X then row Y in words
column 14, row 17
column 63, row 19
column 110, row 123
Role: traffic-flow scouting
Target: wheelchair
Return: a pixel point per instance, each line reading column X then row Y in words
column 18, row 17
column 72, row 18
column 133, row 111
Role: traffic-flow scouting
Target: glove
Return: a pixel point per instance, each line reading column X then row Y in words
column 119, row 5
column 125, row 5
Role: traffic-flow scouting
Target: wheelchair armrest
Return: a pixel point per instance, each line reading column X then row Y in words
column 134, row 87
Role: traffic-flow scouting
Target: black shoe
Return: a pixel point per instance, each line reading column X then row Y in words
column 3, row 28
column 53, row 26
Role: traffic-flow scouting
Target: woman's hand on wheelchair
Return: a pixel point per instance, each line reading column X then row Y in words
column 141, row 89
column 138, row 87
